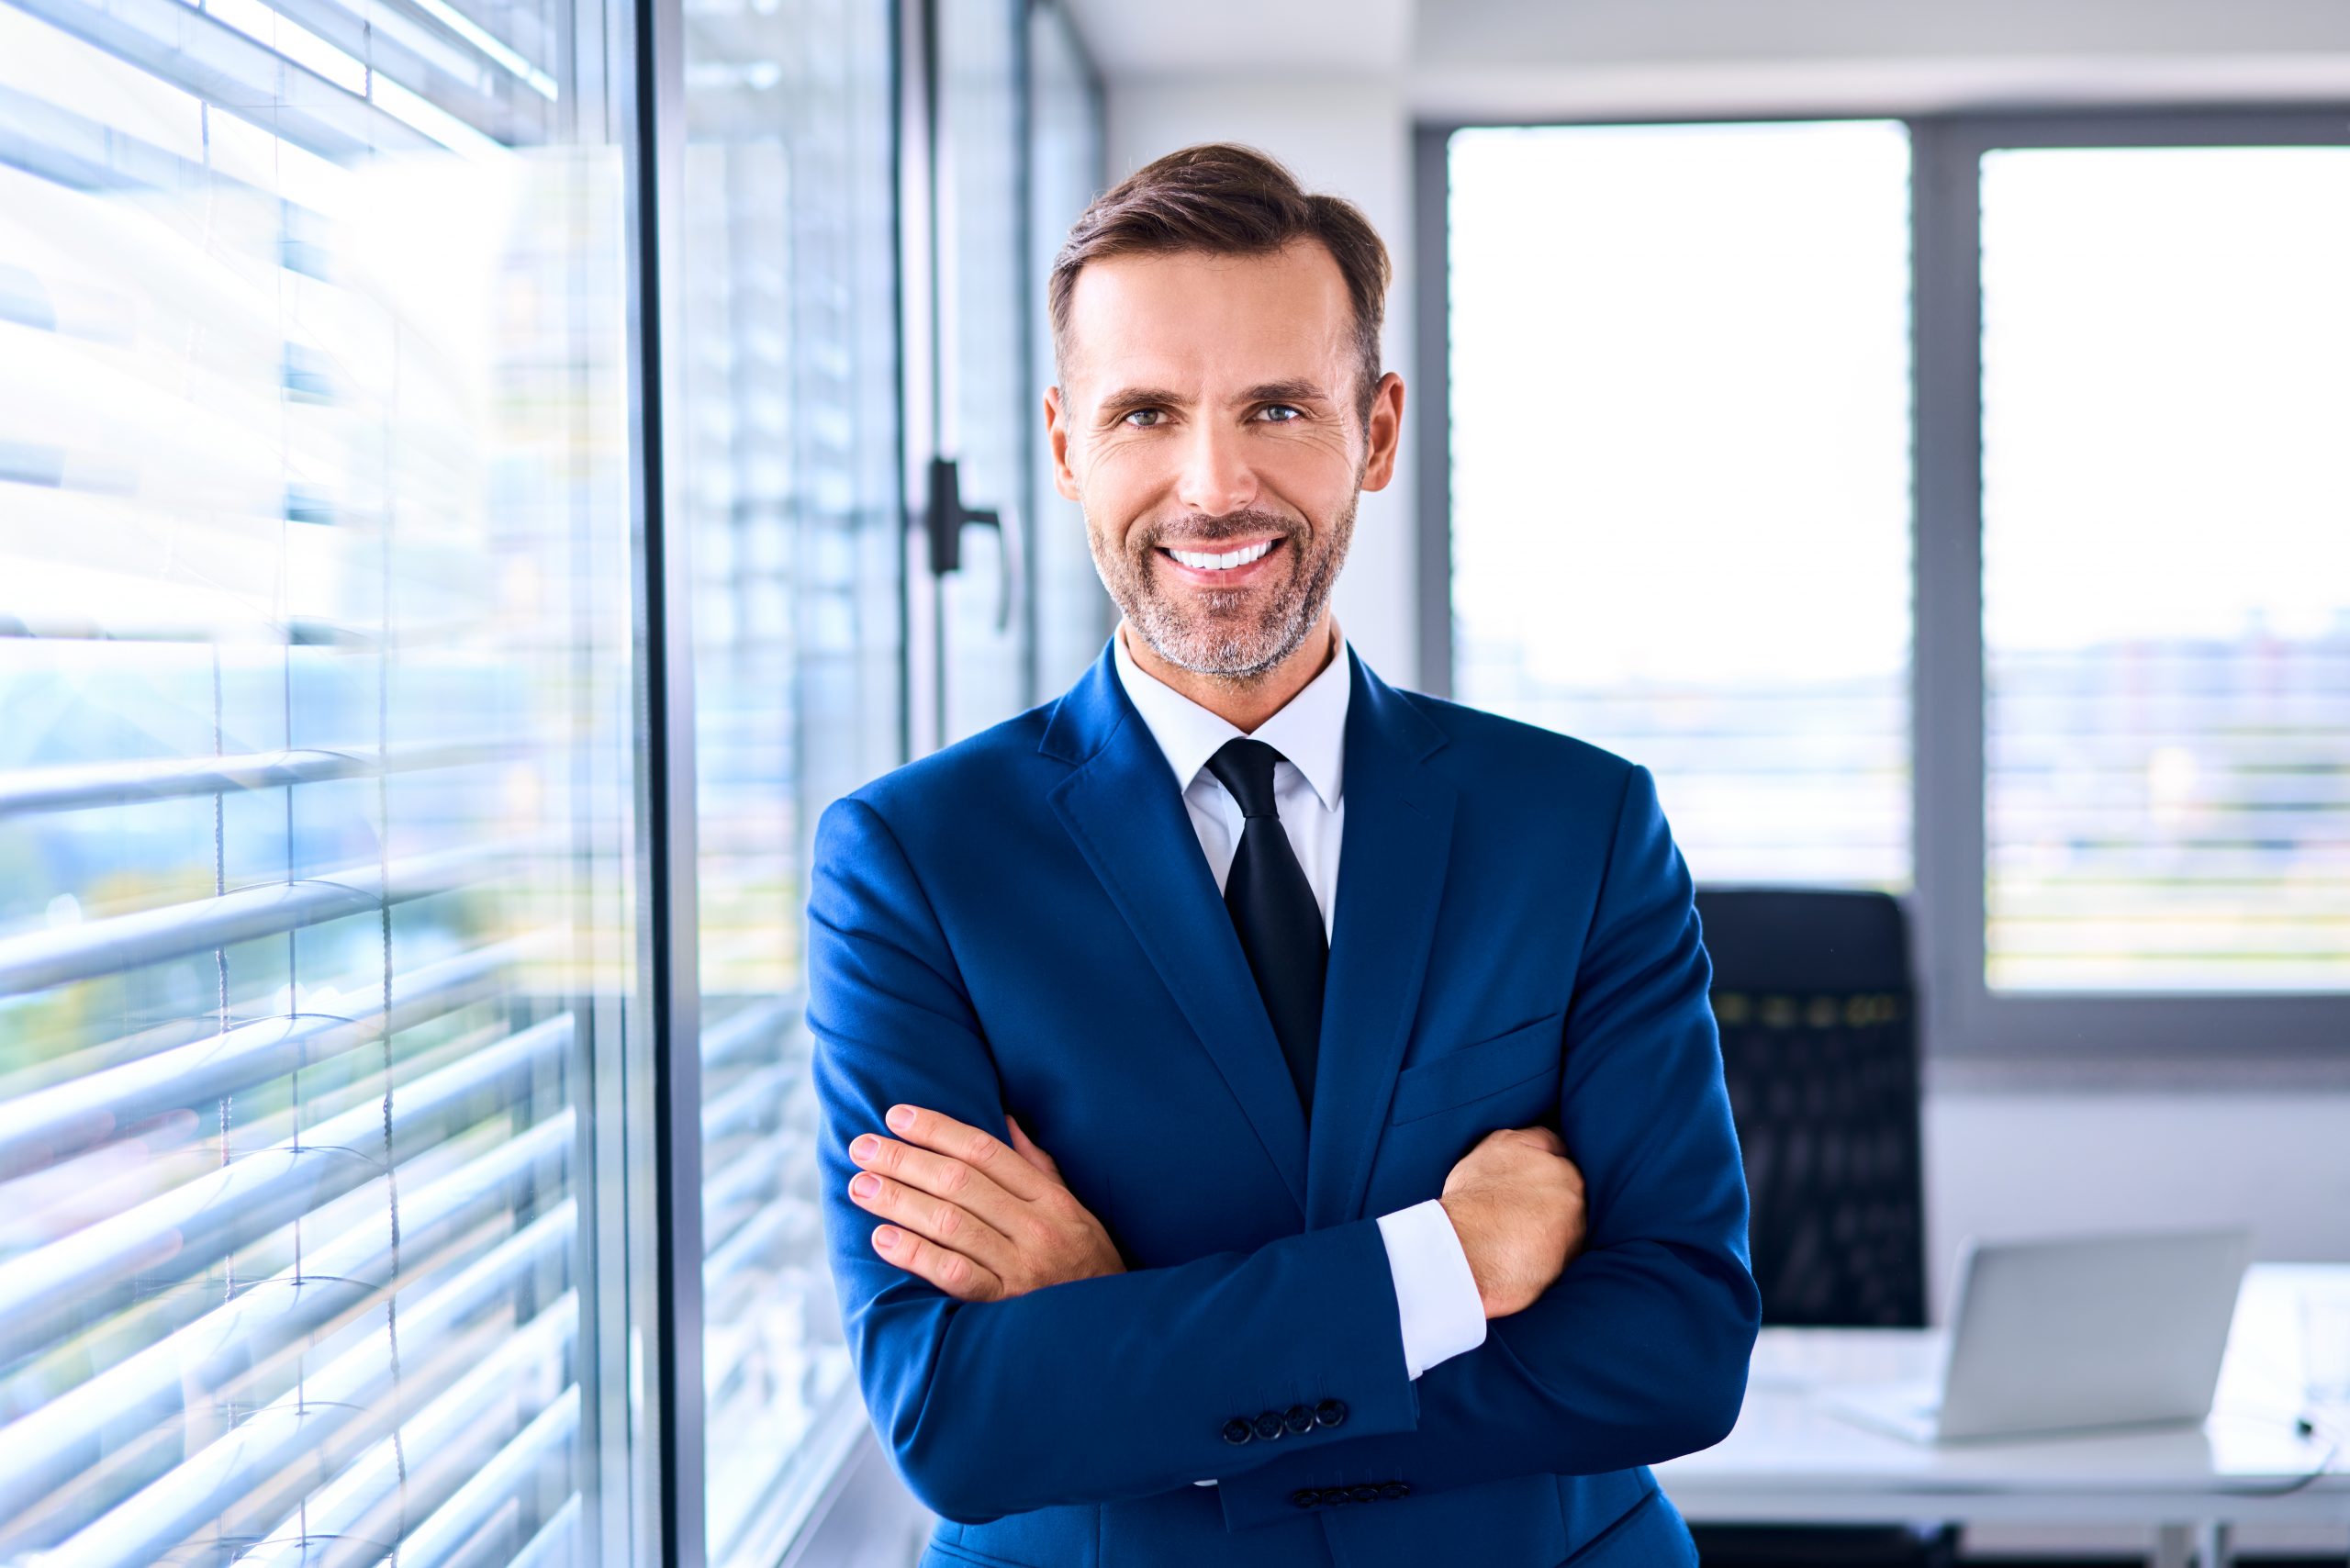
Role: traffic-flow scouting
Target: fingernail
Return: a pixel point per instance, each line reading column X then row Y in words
column 865, row 1148
column 865, row 1186
column 885, row 1238
column 901, row 1117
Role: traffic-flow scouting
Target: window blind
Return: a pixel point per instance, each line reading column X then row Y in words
column 315, row 793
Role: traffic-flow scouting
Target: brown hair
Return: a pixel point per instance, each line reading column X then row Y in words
column 1227, row 200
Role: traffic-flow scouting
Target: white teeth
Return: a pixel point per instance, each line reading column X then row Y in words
column 1207, row 561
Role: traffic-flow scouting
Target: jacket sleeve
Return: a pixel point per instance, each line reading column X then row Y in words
column 1638, row 1352
column 1081, row 1393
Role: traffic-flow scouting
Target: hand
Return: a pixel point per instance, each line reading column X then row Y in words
column 980, row 1220
column 1517, row 1203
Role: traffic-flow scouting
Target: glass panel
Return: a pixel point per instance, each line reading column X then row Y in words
column 1680, row 412
column 1073, row 614
column 315, row 788
column 983, row 344
column 2166, row 568
column 788, row 428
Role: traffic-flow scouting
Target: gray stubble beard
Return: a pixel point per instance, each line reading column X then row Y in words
column 1206, row 646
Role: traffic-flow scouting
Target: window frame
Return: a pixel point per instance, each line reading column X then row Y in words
column 2001, row 1036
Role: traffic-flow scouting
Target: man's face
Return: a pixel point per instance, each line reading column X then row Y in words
column 1208, row 424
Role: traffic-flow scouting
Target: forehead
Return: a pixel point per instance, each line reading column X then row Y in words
column 1192, row 314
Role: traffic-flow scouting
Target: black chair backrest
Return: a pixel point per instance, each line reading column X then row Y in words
column 1817, row 1012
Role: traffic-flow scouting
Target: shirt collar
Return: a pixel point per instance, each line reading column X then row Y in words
column 1310, row 729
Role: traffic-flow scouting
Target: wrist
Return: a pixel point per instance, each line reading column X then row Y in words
column 1461, row 1217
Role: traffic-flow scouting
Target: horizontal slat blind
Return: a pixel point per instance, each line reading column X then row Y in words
column 2166, row 568
column 315, row 790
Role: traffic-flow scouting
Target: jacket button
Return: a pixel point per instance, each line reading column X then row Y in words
column 1298, row 1418
column 1238, row 1431
column 1364, row 1493
column 1306, row 1497
column 1334, row 1495
column 1269, row 1424
column 1395, row 1489
column 1330, row 1412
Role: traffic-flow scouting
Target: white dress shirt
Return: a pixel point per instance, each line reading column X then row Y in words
column 1435, row 1295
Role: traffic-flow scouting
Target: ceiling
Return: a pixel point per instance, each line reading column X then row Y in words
column 1467, row 58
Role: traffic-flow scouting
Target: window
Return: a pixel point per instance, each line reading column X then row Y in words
column 316, row 936
column 1680, row 460
column 405, row 1133
column 788, row 430
column 2166, row 568
column 2114, row 774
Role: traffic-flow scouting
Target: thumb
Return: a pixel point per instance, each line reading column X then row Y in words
column 1025, row 1146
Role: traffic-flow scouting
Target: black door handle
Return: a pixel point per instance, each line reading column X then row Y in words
column 944, row 520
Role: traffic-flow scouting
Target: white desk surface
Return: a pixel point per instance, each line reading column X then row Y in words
column 1789, row 1460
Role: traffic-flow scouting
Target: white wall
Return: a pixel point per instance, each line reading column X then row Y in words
column 2020, row 1164
column 1351, row 138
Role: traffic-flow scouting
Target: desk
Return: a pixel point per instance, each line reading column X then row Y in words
column 1787, row 1461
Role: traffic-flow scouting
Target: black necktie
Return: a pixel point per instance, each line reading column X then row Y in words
column 1274, row 909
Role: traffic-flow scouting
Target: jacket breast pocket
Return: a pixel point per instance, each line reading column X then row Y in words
column 1522, row 1064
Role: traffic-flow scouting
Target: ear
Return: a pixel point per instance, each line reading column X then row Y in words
column 1385, row 430
column 1056, row 415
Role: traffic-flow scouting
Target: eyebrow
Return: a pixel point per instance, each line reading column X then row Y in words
column 1126, row 399
column 1286, row 392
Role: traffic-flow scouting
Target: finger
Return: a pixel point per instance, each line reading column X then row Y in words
column 942, row 1267
column 939, row 1176
column 1029, row 1151
column 1542, row 1138
column 989, row 1155
column 932, row 1218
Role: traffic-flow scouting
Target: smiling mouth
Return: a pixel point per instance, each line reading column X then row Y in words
column 1220, row 561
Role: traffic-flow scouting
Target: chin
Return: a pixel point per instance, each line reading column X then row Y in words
column 1229, row 653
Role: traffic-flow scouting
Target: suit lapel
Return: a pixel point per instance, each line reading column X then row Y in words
column 1391, row 877
column 1123, row 808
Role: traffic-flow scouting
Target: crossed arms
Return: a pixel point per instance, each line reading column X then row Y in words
column 998, row 1396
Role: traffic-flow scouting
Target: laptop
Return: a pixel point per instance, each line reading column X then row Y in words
column 2073, row 1335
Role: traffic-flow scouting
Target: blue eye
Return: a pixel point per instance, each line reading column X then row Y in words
column 1289, row 415
column 1153, row 415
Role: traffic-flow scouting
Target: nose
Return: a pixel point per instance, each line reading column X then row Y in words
column 1216, row 478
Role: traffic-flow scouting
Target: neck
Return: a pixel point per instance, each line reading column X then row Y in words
column 1243, row 701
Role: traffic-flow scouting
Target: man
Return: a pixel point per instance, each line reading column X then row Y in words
column 1393, row 1213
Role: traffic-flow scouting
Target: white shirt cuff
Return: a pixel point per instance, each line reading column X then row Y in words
column 1434, row 1293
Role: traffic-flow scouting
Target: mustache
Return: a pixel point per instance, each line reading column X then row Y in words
column 1200, row 528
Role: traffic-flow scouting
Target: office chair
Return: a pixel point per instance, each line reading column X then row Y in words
column 1813, row 995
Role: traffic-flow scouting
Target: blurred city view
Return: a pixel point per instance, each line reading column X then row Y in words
column 1682, row 519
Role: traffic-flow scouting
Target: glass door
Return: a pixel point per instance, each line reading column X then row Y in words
column 785, row 521
column 983, row 381
column 1071, row 612
column 999, row 150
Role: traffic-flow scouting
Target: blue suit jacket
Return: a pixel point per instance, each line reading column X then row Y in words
column 1025, row 922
